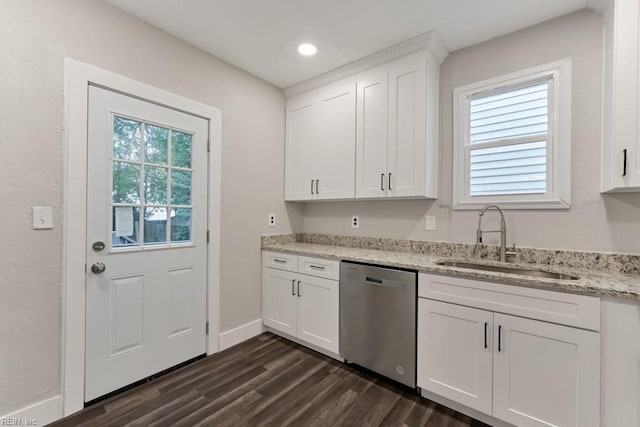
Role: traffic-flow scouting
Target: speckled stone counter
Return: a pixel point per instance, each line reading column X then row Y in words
column 599, row 274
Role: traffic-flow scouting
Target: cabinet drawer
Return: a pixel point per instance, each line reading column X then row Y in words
column 329, row 269
column 280, row 261
column 580, row 311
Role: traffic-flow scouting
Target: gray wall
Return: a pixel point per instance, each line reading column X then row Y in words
column 609, row 223
column 34, row 37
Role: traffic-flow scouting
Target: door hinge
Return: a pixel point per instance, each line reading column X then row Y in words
column 206, row 328
column 208, row 145
column 85, row 269
column 208, row 236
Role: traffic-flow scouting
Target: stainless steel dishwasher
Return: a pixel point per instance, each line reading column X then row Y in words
column 378, row 320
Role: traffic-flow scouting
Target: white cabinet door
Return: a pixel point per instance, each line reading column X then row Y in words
column 334, row 150
column 301, row 134
column 407, row 126
column 318, row 312
column 372, row 134
column 545, row 374
column 279, row 300
column 454, row 353
column 621, row 138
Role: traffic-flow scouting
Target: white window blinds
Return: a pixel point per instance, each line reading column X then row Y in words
column 509, row 132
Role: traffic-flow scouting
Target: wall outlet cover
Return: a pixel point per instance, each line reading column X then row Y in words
column 42, row 218
column 355, row 221
column 271, row 221
column 430, row 222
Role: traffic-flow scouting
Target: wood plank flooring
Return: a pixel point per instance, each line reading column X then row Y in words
column 268, row 381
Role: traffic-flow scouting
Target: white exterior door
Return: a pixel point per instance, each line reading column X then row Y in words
column 545, row 374
column 146, row 240
column 318, row 312
column 454, row 353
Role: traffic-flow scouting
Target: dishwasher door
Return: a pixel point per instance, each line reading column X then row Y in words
column 378, row 320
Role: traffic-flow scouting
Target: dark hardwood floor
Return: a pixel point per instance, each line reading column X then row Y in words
column 268, row 381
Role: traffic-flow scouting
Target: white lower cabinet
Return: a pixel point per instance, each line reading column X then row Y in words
column 454, row 359
column 545, row 374
column 300, row 305
column 523, row 371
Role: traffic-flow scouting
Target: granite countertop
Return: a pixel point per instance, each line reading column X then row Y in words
column 597, row 283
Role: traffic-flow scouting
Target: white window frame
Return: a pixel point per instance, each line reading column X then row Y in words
column 558, row 194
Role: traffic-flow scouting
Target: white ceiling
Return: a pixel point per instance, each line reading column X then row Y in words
column 261, row 36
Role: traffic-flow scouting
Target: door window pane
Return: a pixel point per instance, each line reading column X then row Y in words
column 126, row 139
column 180, row 187
column 181, row 225
column 126, row 183
column 155, row 185
column 155, row 225
column 181, row 149
column 143, row 181
column 156, row 143
column 124, row 232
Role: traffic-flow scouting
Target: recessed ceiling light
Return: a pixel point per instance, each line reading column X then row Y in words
column 307, row 49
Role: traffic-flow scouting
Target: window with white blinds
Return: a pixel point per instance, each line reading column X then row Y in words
column 508, row 134
column 512, row 140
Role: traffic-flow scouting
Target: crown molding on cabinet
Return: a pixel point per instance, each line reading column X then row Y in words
column 430, row 41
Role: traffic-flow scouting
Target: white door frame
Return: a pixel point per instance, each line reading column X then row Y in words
column 78, row 77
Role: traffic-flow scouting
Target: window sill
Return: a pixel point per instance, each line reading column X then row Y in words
column 532, row 204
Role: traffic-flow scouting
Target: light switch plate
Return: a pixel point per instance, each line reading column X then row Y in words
column 42, row 218
column 430, row 222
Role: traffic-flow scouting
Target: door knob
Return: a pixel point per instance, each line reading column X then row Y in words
column 98, row 267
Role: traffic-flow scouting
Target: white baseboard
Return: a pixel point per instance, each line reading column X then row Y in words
column 241, row 333
column 38, row 414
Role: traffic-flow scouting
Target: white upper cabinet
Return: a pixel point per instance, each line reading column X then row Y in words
column 621, row 114
column 300, row 136
column 372, row 134
column 320, row 144
column 396, row 138
column 335, row 154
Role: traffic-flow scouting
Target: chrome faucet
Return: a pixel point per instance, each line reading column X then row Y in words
column 502, row 231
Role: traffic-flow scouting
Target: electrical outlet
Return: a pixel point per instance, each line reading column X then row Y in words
column 355, row 221
column 271, row 222
column 430, row 222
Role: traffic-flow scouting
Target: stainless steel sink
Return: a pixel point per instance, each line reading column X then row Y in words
column 510, row 270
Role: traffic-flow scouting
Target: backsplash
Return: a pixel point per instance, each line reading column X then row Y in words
column 608, row 262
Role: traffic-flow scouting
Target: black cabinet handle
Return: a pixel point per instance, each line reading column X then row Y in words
column 316, row 267
column 317, row 189
column 382, row 181
column 624, row 162
column 500, row 338
column 485, row 335
column 293, row 291
column 389, row 185
column 298, row 288
column 312, row 187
